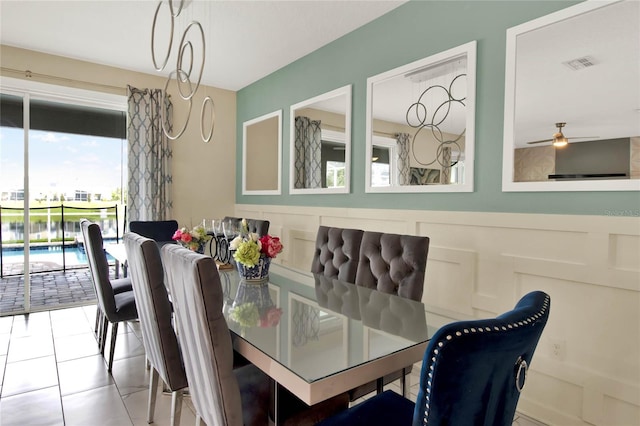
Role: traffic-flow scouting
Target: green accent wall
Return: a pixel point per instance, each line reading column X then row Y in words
column 413, row 31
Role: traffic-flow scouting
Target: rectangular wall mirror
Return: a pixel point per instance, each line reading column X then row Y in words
column 572, row 104
column 421, row 124
column 321, row 144
column 261, row 154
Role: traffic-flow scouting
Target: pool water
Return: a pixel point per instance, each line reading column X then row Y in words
column 73, row 255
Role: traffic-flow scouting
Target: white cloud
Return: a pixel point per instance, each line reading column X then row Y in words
column 50, row 137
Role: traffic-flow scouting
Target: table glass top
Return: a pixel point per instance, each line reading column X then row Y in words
column 317, row 326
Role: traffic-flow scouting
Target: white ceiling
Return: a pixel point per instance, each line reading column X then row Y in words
column 245, row 40
column 602, row 100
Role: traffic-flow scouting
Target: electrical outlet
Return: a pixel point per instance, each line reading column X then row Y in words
column 558, row 349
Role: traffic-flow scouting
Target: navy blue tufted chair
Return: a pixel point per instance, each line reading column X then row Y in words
column 337, row 252
column 472, row 373
column 158, row 230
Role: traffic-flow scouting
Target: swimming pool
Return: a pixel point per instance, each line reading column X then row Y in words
column 74, row 255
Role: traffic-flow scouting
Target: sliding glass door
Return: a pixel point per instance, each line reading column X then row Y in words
column 61, row 159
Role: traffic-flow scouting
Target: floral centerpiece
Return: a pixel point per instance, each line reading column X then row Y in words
column 253, row 253
column 194, row 239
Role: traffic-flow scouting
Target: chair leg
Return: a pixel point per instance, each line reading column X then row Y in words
column 103, row 334
column 153, row 392
column 176, row 407
column 114, row 334
column 95, row 330
column 405, row 383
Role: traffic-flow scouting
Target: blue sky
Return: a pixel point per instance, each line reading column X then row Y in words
column 61, row 162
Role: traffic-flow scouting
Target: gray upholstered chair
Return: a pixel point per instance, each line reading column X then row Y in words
column 258, row 226
column 114, row 307
column 155, row 314
column 472, row 373
column 394, row 264
column 220, row 394
column 158, row 230
column 337, row 252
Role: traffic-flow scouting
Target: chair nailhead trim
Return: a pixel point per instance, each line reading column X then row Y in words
column 436, row 352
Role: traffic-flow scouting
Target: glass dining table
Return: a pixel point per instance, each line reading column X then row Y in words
column 319, row 337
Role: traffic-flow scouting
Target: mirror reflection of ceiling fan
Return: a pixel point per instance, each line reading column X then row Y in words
column 559, row 139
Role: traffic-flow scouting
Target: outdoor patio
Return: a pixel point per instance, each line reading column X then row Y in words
column 49, row 290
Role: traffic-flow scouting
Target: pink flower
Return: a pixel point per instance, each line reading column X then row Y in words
column 177, row 235
column 271, row 318
column 186, row 237
column 271, row 246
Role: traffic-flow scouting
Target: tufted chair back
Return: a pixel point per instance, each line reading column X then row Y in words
column 472, row 373
column 393, row 263
column 258, row 226
column 336, row 254
column 158, row 230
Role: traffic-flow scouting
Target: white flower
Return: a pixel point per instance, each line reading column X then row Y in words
column 233, row 245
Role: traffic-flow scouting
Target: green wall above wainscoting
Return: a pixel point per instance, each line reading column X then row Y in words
column 413, row 31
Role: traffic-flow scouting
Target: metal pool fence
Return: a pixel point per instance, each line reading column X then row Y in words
column 52, row 229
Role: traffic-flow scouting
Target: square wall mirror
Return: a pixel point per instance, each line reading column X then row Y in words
column 261, row 154
column 421, row 125
column 321, row 144
column 572, row 100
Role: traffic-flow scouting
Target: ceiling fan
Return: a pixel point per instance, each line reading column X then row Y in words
column 559, row 139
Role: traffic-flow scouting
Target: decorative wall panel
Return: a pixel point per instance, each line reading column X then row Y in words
column 587, row 366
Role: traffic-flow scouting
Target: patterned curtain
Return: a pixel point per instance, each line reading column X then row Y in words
column 403, row 141
column 305, row 323
column 308, row 146
column 149, row 157
column 445, row 177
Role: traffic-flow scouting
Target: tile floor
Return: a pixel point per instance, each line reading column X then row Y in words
column 51, row 373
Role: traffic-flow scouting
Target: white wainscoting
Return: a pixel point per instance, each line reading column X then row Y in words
column 586, row 369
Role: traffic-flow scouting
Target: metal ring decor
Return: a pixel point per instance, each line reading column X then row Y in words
column 173, row 12
column 153, row 38
column 163, row 113
column 179, row 61
column 417, row 117
column 181, row 57
column 183, row 76
column 206, row 101
column 521, row 365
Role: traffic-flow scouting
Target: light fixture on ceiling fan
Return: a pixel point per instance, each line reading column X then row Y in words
column 559, row 140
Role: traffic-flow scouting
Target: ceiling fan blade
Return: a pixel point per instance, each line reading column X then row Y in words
column 570, row 138
column 584, row 137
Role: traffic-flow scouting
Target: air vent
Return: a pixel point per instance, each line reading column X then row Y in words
column 581, row 63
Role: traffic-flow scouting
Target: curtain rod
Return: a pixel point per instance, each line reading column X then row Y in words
column 30, row 74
